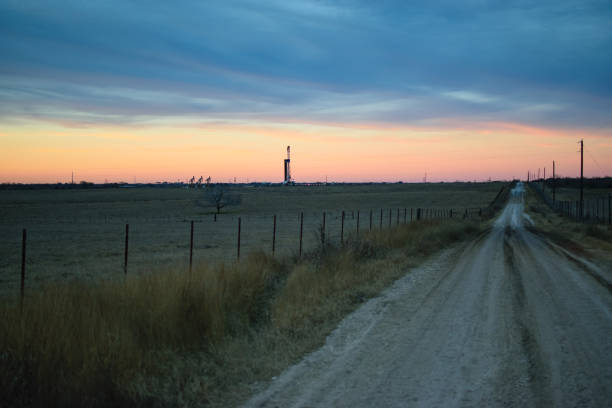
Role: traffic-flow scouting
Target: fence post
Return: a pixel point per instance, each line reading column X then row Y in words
column 418, row 214
column 390, row 216
column 405, row 213
column 411, row 218
column 342, row 230
column 238, row 252
column 215, row 217
column 357, row 222
column 381, row 211
column 191, row 248
column 125, row 259
column 23, row 268
column 397, row 217
column 274, row 236
column 301, row 230
column 370, row 219
column 578, row 215
column 323, row 230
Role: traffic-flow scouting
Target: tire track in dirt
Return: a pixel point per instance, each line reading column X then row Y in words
column 503, row 321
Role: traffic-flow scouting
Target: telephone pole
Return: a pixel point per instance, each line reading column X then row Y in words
column 581, row 178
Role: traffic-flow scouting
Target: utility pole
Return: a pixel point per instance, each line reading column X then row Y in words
column 581, row 178
column 544, row 181
column 553, row 183
column 528, row 176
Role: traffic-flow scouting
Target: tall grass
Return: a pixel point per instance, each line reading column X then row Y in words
column 94, row 345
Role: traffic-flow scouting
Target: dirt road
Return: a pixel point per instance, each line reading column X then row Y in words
column 507, row 320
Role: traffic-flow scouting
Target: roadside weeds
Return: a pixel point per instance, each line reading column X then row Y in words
column 176, row 339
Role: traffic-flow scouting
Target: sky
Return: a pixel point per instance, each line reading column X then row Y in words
column 119, row 90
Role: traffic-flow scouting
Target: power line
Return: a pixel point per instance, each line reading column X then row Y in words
column 593, row 158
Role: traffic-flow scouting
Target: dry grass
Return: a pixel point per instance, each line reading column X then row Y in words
column 79, row 234
column 171, row 338
column 592, row 240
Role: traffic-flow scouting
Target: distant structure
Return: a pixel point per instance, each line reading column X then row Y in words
column 195, row 184
column 288, row 179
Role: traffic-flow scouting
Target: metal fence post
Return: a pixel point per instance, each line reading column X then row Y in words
column 274, row 236
column 342, row 230
column 323, row 230
column 301, row 230
column 23, row 268
column 191, row 248
column 238, row 251
column 125, row 259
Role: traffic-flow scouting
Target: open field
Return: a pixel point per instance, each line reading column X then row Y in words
column 172, row 338
column 80, row 233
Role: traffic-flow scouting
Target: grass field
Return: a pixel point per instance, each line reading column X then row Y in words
column 79, row 234
column 172, row 338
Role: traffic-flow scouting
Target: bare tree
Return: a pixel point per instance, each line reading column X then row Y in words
column 219, row 197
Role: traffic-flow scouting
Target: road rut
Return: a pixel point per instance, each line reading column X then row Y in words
column 509, row 319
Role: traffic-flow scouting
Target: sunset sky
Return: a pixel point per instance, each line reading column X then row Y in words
column 362, row 91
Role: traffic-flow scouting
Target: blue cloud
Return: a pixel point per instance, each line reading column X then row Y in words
column 542, row 63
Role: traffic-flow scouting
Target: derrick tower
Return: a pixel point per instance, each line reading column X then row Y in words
column 288, row 167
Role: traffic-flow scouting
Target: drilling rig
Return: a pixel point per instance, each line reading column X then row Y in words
column 288, row 179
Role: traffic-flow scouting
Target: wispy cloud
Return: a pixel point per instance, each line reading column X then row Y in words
column 121, row 62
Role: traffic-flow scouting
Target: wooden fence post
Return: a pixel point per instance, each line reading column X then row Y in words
column 238, row 252
column 390, row 217
column 301, row 230
column 397, row 223
column 411, row 218
column 357, row 222
column 418, row 214
column 405, row 213
column 370, row 219
column 342, row 230
column 23, row 268
column 191, row 248
column 125, row 259
column 274, row 236
column 381, row 211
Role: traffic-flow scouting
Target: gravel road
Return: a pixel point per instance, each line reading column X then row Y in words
column 509, row 319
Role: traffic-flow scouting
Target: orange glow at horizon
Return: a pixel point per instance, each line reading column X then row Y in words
column 43, row 153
